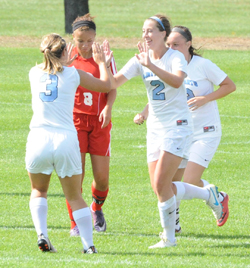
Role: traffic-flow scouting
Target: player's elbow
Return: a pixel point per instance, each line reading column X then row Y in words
column 233, row 87
column 177, row 84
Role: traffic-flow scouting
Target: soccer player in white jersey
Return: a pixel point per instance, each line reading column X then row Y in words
column 202, row 76
column 169, row 124
column 52, row 141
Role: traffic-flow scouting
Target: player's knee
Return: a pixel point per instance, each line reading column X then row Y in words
column 102, row 184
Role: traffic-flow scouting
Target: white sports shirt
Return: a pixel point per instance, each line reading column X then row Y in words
column 202, row 76
column 167, row 105
column 53, row 98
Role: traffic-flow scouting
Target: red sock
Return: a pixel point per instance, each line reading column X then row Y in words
column 73, row 224
column 98, row 198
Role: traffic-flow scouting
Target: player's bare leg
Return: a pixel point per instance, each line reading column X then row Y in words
column 81, row 212
column 39, row 209
column 74, row 231
column 161, row 175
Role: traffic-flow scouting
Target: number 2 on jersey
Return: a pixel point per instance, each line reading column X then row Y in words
column 50, row 82
column 157, row 94
column 190, row 94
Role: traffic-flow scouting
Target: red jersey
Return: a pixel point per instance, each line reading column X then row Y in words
column 87, row 101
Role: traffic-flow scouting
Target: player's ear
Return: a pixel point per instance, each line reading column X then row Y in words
column 189, row 44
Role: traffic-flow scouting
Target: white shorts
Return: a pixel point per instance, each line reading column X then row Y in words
column 176, row 141
column 47, row 149
column 202, row 151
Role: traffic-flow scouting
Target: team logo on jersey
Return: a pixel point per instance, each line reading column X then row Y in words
column 182, row 122
column 148, row 74
column 191, row 82
column 209, row 129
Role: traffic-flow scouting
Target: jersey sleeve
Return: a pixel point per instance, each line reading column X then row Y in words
column 213, row 72
column 77, row 76
column 113, row 66
column 131, row 68
column 179, row 62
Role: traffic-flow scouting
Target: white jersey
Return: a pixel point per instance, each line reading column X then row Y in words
column 53, row 98
column 202, row 76
column 167, row 105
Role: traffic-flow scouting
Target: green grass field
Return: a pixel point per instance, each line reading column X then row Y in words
column 131, row 208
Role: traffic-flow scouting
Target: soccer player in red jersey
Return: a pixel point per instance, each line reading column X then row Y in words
column 92, row 119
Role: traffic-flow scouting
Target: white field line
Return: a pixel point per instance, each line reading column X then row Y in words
column 239, row 153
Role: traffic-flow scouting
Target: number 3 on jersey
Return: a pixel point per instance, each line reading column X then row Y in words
column 50, row 82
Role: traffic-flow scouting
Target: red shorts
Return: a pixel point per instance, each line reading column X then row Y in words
column 92, row 138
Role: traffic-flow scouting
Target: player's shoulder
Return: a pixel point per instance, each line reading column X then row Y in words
column 198, row 60
column 69, row 71
column 35, row 71
column 173, row 54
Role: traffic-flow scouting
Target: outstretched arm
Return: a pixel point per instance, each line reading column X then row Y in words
column 173, row 79
column 88, row 81
column 118, row 79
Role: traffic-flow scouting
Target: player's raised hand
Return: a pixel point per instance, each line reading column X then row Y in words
column 98, row 54
column 107, row 52
column 70, row 58
column 143, row 57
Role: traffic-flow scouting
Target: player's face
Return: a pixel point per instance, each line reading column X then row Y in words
column 84, row 40
column 178, row 42
column 152, row 35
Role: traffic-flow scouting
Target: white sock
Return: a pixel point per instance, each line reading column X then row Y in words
column 221, row 197
column 188, row 191
column 83, row 221
column 167, row 216
column 39, row 210
column 205, row 183
column 177, row 216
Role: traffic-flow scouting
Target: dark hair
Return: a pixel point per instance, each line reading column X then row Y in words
column 185, row 32
column 166, row 23
column 84, row 23
column 52, row 47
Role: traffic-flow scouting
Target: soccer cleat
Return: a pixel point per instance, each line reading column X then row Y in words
column 44, row 244
column 225, row 210
column 90, row 250
column 213, row 201
column 99, row 220
column 74, row 231
column 164, row 243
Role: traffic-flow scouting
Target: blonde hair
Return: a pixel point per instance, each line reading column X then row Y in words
column 52, row 47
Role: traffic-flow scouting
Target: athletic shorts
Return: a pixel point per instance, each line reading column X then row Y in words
column 202, row 151
column 50, row 149
column 92, row 138
column 176, row 141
